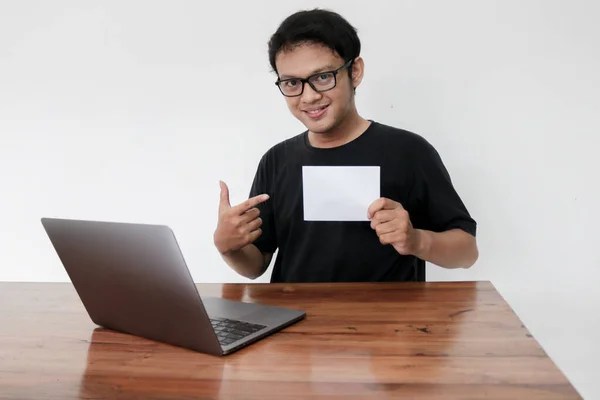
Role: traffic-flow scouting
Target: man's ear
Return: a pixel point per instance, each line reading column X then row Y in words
column 358, row 70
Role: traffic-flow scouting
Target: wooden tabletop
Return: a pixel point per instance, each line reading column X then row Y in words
column 430, row 340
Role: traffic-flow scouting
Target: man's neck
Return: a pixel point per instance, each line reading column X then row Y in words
column 351, row 128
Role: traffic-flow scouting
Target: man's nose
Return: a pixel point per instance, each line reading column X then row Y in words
column 310, row 95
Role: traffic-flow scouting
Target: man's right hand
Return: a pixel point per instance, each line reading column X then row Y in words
column 238, row 226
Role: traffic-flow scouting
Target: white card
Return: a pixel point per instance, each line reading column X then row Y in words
column 339, row 193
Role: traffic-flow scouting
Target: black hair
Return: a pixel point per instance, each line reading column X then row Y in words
column 316, row 26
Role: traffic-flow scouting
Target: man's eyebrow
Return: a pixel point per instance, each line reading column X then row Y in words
column 327, row 67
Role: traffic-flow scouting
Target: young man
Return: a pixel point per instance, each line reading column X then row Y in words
column 419, row 217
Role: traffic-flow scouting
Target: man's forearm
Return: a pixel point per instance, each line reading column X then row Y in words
column 451, row 249
column 248, row 261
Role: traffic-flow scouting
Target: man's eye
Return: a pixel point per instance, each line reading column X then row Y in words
column 323, row 79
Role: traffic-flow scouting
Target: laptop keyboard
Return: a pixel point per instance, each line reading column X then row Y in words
column 229, row 330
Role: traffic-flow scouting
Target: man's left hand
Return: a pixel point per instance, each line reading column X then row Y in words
column 392, row 223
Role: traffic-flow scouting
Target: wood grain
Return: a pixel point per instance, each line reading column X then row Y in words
column 387, row 340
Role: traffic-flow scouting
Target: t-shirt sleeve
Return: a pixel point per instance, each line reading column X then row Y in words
column 439, row 206
column 263, row 184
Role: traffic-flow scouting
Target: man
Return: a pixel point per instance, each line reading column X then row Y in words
column 419, row 217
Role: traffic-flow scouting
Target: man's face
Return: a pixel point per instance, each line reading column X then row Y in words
column 318, row 111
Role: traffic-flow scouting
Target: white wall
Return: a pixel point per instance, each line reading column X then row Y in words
column 132, row 111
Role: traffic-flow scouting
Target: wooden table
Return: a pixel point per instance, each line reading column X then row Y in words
column 358, row 341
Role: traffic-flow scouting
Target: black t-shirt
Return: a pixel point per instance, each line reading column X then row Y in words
column 412, row 173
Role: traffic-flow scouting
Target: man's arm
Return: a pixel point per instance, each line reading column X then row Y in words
column 252, row 259
column 451, row 249
column 248, row 261
column 238, row 230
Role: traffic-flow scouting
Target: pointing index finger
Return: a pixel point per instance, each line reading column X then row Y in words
column 250, row 203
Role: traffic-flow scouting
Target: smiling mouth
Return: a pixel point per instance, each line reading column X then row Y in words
column 317, row 112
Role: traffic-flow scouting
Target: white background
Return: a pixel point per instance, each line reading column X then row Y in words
column 133, row 110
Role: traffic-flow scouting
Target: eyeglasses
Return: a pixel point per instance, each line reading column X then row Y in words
column 320, row 82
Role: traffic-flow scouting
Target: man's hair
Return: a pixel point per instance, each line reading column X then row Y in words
column 315, row 26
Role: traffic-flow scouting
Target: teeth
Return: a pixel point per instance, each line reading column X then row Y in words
column 316, row 111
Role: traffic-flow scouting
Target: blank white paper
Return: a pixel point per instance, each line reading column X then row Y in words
column 339, row 193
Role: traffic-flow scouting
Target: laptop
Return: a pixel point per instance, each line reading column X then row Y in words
column 132, row 278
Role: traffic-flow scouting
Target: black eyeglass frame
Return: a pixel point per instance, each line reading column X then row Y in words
column 335, row 72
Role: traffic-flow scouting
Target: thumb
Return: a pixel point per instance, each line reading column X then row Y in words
column 224, row 201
